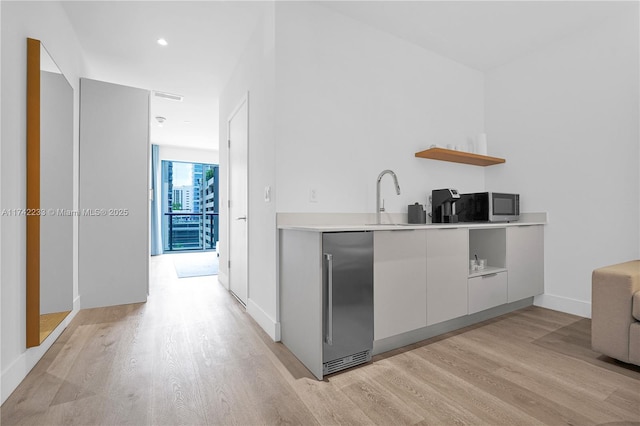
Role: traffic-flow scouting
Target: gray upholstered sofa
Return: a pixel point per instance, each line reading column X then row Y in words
column 615, row 311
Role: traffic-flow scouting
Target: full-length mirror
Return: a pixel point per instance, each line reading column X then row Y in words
column 49, row 194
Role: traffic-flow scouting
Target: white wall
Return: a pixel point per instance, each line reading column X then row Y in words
column 47, row 22
column 190, row 155
column 348, row 102
column 255, row 75
column 353, row 101
column 566, row 120
column 1, row 368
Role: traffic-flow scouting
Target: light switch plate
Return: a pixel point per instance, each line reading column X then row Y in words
column 267, row 194
column 313, row 195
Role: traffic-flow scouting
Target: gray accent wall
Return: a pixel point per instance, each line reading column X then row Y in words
column 114, row 197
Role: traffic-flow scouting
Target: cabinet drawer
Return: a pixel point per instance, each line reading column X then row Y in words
column 487, row 291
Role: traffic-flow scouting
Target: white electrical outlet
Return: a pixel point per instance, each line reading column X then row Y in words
column 313, row 195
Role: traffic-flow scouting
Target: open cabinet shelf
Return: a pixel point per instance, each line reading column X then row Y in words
column 443, row 154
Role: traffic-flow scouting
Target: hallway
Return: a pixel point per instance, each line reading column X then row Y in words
column 190, row 355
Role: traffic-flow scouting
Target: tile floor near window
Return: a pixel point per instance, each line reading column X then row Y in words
column 191, row 355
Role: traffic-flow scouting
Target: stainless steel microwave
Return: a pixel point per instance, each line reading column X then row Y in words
column 488, row 207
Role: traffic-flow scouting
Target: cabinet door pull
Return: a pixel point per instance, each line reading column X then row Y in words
column 329, row 336
column 489, row 275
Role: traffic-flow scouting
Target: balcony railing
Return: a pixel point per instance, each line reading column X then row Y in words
column 191, row 231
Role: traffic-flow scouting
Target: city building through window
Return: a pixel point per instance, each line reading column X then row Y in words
column 190, row 200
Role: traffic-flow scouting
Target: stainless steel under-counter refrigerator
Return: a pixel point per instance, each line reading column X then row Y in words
column 347, row 296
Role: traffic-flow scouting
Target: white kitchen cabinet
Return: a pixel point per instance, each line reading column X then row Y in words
column 447, row 274
column 525, row 261
column 400, row 282
column 300, row 259
column 487, row 291
column 421, row 278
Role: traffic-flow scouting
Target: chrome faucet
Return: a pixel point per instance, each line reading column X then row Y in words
column 395, row 180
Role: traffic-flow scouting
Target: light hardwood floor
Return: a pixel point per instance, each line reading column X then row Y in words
column 191, row 355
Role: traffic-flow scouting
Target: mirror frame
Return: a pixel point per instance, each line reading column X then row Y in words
column 33, row 193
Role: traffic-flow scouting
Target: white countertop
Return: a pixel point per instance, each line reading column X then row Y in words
column 405, row 227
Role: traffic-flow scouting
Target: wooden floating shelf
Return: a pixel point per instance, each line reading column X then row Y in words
column 443, row 154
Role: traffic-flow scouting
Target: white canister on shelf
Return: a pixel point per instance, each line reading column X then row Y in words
column 481, row 144
column 471, row 147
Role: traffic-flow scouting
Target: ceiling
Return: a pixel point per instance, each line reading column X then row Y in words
column 206, row 38
column 481, row 34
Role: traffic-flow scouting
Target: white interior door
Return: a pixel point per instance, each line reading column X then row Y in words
column 238, row 172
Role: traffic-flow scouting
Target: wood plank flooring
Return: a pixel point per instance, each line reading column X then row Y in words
column 192, row 356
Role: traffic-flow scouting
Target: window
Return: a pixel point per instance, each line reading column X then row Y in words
column 190, row 206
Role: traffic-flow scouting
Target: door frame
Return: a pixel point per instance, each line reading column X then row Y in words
column 244, row 100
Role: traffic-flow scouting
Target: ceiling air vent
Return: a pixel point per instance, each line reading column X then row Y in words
column 169, row 96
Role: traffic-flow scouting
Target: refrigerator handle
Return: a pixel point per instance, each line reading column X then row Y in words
column 329, row 336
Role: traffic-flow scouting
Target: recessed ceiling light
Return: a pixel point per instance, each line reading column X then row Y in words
column 162, row 42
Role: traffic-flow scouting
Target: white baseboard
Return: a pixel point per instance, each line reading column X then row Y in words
column 15, row 373
column 564, row 304
column 223, row 279
column 271, row 327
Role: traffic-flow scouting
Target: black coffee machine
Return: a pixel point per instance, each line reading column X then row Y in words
column 442, row 205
